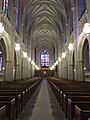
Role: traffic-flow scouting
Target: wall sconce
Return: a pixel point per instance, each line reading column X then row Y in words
column 63, row 54
column 1, row 27
column 29, row 59
column 17, row 46
column 86, row 28
column 59, row 59
column 70, row 47
column 25, row 54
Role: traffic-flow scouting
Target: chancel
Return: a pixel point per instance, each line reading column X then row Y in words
column 44, row 59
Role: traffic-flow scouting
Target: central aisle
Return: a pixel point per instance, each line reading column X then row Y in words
column 43, row 105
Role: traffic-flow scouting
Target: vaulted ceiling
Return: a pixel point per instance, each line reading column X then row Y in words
column 45, row 21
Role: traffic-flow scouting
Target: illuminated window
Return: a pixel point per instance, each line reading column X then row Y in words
column 44, row 59
column 4, row 6
column 1, row 60
column 17, row 20
column 71, row 21
column 82, row 7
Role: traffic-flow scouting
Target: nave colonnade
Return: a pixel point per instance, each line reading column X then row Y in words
column 74, row 65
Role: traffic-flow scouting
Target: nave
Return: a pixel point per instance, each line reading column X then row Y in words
column 43, row 105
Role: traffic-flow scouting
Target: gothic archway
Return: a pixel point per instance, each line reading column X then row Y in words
column 85, row 57
column 2, row 59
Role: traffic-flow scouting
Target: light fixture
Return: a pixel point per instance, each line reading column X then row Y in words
column 86, row 28
column 36, row 67
column 0, row 52
column 84, row 68
column 59, row 59
column 33, row 63
column 63, row 54
column 17, row 46
column 56, row 62
column 29, row 59
column 70, row 47
column 13, row 70
column 52, row 67
column 1, row 27
column 1, row 24
column 3, row 68
column 25, row 54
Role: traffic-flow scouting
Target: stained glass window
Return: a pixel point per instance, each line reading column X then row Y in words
column 1, row 60
column 17, row 20
column 82, row 7
column 71, row 21
column 44, row 59
column 4, row 6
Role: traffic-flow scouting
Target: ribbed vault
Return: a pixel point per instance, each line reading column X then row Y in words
column 43, row 22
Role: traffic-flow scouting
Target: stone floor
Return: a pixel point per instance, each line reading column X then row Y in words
column 43, row 105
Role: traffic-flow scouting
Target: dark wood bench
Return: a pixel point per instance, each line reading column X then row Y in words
column 65, row 89
column 17, row 92
column 17, row 102
column 82, row 111
column 27, row 86
column 72, row 95
column 71, row 105
column 10, row 108
column 2, row 112
column 15, row 96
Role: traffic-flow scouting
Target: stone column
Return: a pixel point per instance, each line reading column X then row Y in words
column 7, row 71
column 25, row 68
column 59, row 52
column 89, row 52
column 22, row 72
column 76, row 30
column 71, row 72
column 88, row 9
column 59, row 69
column 62, row 69
column 63, row 39
column 67, row 32
column 65, row 72
column 29, row 69
column 80, row 71
column 17, row 72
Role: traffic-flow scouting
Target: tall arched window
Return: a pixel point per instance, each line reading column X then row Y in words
column 82, row 7
column 1, row 63
column 17, row 20
column 44, row 60
column 4, row 6
column 71, row 21
column 1, row 60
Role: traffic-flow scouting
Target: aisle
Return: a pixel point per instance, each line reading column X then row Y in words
column 42, row 105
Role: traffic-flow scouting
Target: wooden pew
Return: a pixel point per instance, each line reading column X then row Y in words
column 19, row 92
column 21, row 86
column 71, row 95
column 82, row 111
column 2, row 112
column 17, row 101
column 64, row 89
column 71, row 105
column 10, row 108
